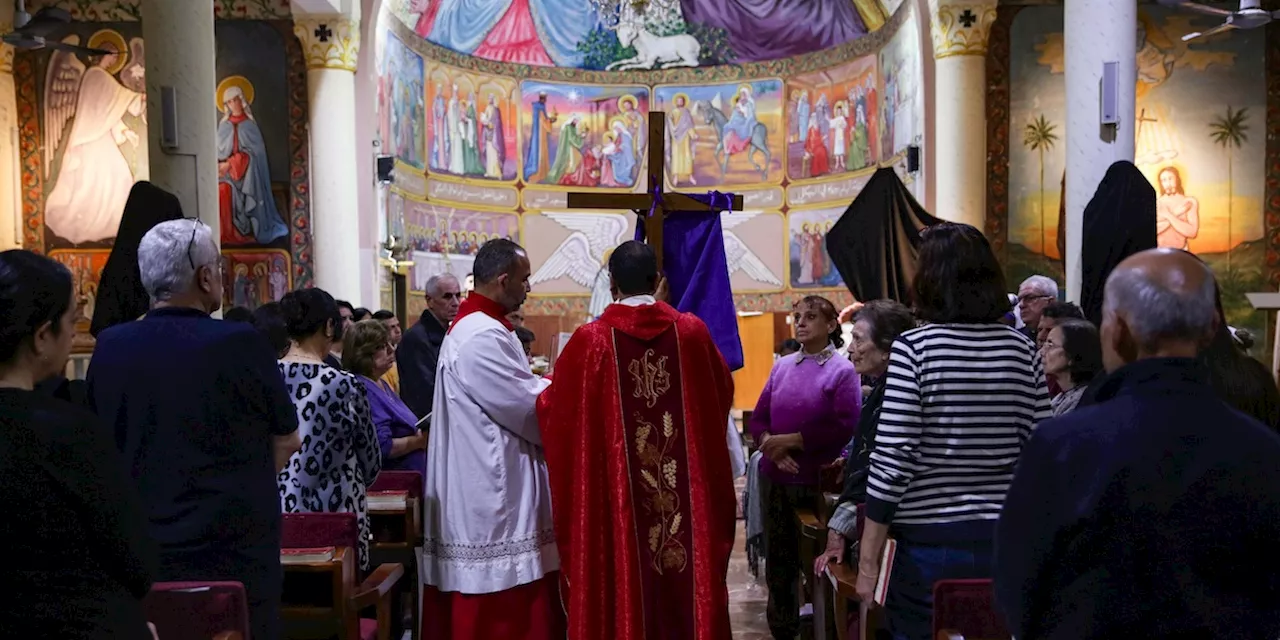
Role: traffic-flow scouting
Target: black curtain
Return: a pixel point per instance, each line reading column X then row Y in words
column 121, row 297
column 1119, row 221
column 874, row 244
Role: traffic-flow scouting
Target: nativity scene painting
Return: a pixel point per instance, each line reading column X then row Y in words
column 583, row 136
column 832, row 120
column 811, row 266
column 723, row 134
column 471, row 128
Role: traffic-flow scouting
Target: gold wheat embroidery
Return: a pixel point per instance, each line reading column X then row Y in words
column 658, row 470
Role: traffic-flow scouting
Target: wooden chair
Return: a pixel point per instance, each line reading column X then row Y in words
column 198, row 610
column 323, row 596
column 966, row 608
column 395, row 519
column 812, row 524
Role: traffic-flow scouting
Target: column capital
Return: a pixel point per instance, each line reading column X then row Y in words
column 960, row 27
column 328, row 41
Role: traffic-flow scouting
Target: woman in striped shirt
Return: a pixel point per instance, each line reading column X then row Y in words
column 962, row 395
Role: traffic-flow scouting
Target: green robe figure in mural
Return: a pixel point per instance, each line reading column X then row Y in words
column 857, row 157
column 570, row 143
column 471, row 164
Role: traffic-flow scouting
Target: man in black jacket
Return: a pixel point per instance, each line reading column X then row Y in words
column 420, row 347
column 1155, row 512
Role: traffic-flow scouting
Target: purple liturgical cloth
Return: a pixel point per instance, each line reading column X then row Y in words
column 773, row 29
column 698, row 273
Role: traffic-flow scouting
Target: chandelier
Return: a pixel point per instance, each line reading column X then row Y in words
column 614, row 12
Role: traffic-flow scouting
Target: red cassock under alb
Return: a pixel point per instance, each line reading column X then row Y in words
column 528, row 612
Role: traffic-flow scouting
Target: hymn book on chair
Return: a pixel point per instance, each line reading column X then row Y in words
column 306, row 556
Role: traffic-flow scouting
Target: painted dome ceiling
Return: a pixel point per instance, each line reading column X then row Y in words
column 616, row 34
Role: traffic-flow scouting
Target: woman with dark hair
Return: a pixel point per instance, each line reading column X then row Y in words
column 1072, row 355
column 340, row 456
column 268, row 319
column 807, row 411
column 876, row 325
column 367, row 353
column 962, row 395
column 78, row 557
column 121, row 297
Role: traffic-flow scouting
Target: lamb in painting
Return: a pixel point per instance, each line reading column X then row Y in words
column 671, row 51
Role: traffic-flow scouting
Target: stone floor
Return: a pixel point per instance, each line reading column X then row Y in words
column 747, row 595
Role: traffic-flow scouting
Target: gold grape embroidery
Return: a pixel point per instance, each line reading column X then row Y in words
column 658, row 471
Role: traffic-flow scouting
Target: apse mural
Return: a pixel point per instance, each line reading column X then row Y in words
column 730, row 133
column 901, row 110
column 608, row 34
column 401, row 109
column 446, row 239
column 1205, row 158
column 583, row 136
column 833, row 120
column 95, row 135
column 810, row 265
column 252, row 278
column 471, row 124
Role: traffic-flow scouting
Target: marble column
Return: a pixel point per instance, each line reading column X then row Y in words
column 1095, row 31
column 10, row 167
column 959, row 29
column 331, row 44
column 180, row 54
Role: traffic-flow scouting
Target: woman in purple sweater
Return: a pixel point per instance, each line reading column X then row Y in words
column 368, row 353
column 807, row 411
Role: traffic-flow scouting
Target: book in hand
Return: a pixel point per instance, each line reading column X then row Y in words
column 306, row 556
column 886, row 568
column 424, row 423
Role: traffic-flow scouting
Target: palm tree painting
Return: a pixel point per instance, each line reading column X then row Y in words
column 1228, row 132
column 1039, row 136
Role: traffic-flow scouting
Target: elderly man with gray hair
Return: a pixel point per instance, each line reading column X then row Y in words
column 1034, row 294
column 1153, row 513
column 419, row 349
column 200, row 412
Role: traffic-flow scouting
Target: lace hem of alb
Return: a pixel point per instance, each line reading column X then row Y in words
column 482, row 551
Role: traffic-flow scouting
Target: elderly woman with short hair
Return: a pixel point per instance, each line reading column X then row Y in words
column 1072, row 353
column 367, row 353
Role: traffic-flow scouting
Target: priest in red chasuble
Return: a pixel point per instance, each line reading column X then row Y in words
column 641, row 487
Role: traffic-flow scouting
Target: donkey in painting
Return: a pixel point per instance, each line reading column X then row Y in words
column 713, row 116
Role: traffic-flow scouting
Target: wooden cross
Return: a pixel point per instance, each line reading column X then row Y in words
column 641, row 203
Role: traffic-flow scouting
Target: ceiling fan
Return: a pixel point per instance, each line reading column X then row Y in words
column 31, row 33
column 1249, row 16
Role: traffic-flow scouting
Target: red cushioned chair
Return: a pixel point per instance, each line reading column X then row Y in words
column 966, row 608
column 199, row 610
column 323, row 595
column 397, row 531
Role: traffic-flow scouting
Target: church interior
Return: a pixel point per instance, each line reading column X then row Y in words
column 386, row 141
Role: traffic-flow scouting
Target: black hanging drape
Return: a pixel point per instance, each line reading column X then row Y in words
column 874, row 244
column 1119, row 221
column 121, row 297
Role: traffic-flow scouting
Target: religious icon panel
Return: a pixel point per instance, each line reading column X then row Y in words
column 901, row 108
column 253, row 135
column 578, row 136
column 85, row 266
column 811, row 266
column 445, row 239
column 832, row 120
column 254, row 277
column 723, row 134
column 401, row 106
column 471, row 124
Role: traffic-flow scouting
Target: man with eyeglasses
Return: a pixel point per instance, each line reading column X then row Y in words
column 419, row 349
column 1034, row 295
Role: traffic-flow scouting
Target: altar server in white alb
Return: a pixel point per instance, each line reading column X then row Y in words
column 489, row 559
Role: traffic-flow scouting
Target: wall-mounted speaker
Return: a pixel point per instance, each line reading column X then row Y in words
column 168, row 118
column 913, row 159
column 1110, row 98
column 386, row 166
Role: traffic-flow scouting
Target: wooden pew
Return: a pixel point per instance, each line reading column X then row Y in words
column 395, row 520
column 198, row 610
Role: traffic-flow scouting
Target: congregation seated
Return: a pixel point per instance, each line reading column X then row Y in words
column 78, row 559
column 394, row 333
column 339, row 456
column 198, row 409
column 367, row 354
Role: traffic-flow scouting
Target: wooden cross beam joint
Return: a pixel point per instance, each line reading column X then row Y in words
column 655, row 200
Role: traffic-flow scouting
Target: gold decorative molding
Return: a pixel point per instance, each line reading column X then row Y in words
column 329, row 42
column 961, row 28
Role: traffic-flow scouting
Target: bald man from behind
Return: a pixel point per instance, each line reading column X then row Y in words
column 1154, row 513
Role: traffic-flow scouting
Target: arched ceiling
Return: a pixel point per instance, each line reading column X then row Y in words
column 640, row 34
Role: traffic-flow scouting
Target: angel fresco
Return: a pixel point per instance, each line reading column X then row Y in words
column 94, row 176
column 246, row 206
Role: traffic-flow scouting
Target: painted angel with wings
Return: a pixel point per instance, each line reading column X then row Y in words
column 584, row 256
column 738, row 255
column 84, row 108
